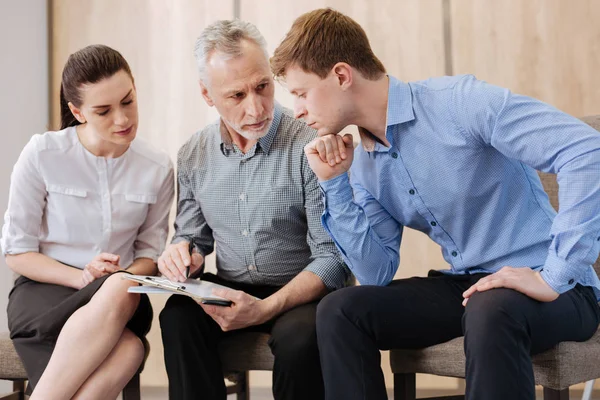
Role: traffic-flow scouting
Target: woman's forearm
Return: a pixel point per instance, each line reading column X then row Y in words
column 41, row 268
column 143, row 266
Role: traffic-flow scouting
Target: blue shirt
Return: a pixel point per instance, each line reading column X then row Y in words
column 461, row 168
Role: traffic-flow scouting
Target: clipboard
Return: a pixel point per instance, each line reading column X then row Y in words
column 195, row 288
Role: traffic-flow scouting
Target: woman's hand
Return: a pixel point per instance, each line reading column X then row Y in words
column 102, row 264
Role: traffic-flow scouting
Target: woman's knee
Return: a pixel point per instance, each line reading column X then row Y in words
column 114, row 297
column 132, row 346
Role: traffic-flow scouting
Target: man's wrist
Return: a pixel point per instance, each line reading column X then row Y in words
column 270, row 308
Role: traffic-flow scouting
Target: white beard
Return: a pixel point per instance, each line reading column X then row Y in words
column 250, row 135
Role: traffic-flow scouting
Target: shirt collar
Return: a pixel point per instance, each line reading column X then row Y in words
column 265, row 142
column 399, row 110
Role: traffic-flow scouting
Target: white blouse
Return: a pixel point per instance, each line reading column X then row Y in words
column 71, row 205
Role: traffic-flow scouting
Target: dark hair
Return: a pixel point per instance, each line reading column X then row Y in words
column 88, row 65
column 320, row 39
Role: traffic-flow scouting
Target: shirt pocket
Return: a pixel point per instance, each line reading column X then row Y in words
column 68, row 211
column 135, row 208
column 66, row 190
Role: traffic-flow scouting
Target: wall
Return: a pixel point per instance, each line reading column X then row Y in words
column 23, row 99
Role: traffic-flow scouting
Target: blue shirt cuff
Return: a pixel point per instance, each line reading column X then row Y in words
column 337, row 190
column 560, row 274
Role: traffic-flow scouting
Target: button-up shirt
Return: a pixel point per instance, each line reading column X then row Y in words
column 71, row 205
column 461, row 168
column 262, row 209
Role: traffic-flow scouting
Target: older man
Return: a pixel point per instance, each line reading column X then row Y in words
column 245, row 185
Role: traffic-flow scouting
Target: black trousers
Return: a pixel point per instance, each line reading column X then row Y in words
column 502, row 329
column 191, row 337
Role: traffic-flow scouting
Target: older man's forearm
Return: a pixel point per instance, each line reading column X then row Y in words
column 304, row 288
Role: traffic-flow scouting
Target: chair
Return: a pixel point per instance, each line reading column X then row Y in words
column 566, row 364
column 11, row 369
column 242, row 352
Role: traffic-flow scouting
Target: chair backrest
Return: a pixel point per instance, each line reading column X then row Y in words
column 549, row 180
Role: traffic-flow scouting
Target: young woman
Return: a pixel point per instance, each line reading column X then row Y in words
column 86, row 203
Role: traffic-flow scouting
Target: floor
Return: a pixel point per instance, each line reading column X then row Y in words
column 265, row 394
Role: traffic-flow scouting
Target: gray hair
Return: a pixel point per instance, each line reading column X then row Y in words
column 225, row 36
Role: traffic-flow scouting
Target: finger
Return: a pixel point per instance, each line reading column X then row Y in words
column 211, row 312
column 329, row 149
column 321, row 149
column 341, row 147
column 96, row 272
column 112, row 258
column 175, row 257
column 467, row 293
column 311, row 147
column 88, row 276
column 184, row 254
column 348, row 141
column 94, row 264
column 464, row 302
column 229, row 294
column 482, row 281
column 175, row 273
column 197, row 261
column 493, row 284
column 216, row 312
column 164, row 270
column 103, row 267
column 107, row 267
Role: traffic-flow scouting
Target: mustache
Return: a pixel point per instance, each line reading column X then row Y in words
column 258, row 121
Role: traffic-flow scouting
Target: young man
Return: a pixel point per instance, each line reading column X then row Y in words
column 245, row 185
column 454, row 158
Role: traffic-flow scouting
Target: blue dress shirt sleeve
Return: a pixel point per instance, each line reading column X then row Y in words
column 544, row 138
column 365, row 233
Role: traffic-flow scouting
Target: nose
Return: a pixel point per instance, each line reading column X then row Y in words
column 121, row 118
column 254, row 106
column 299, row 109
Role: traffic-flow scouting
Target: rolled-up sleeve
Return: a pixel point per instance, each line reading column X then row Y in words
column 26, row 201
column 152, row 235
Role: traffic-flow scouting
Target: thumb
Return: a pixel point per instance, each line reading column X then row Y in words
column 311, row 147
column 225, row 293
column 348, row 140
column 197, row 259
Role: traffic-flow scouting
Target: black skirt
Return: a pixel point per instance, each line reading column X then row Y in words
column 38, row 311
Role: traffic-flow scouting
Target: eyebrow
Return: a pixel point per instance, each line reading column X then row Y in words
column 295, row 90
column 108, row 105
column 234, row 91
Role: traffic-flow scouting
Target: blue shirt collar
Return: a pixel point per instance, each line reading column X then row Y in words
column 399, row 110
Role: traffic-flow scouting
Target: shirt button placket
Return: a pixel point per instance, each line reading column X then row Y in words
column 245, row 217
column 105, row 200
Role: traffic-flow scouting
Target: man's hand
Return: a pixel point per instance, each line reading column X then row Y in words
column 523, row 280
column 102, row 264
column 176, row 258
column 330, row 155
column 245, row 311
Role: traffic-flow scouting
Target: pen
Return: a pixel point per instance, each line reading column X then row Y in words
column 187, row 269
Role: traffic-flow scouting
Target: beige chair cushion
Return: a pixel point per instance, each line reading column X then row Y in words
column 10, row 365
column 558, row 368
column 246, row 351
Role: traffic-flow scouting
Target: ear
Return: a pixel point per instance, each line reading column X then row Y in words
column 206, row 94
column 343, row 74
column 77, row 113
